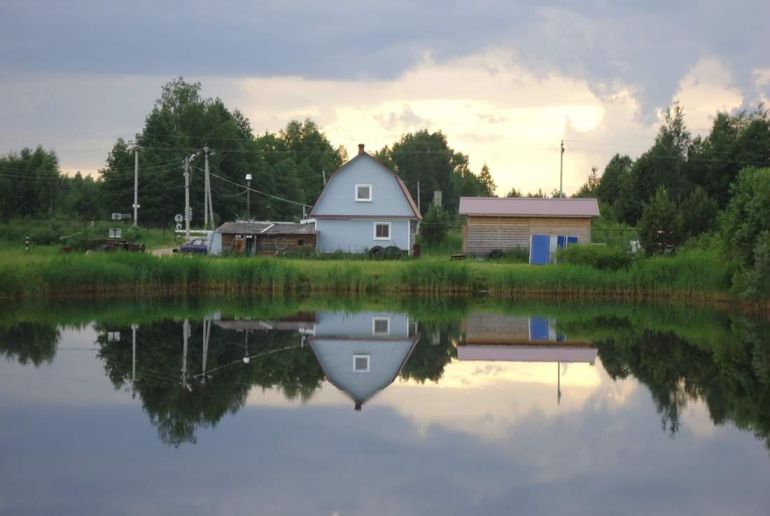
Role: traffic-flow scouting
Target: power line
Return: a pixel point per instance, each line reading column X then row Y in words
column 260, row 192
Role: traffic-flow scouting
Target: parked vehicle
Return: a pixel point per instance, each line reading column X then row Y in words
column 195, row 246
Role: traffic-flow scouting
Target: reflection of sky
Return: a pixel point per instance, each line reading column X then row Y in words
column 490, row 439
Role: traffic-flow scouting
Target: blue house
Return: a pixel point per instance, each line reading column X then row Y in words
column 364, row 205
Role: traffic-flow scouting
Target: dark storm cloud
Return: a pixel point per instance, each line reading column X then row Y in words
column 648, row 45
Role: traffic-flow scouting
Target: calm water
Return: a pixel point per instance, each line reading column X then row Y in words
column 387, row 408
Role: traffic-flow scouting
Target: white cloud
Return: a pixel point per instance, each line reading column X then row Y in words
column 489, row 106
column 705, row 90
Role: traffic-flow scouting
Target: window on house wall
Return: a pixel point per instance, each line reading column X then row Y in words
column 363, row 193
column 382, row 230
column 300, row 243
column 360, row 363
column 381, row 326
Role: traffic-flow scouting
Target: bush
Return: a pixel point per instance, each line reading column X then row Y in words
column 747, row 215
column 597, row 256
column 514, row 255
column 435, row 226
column 754, row 283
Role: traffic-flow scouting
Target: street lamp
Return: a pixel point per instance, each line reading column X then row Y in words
column 248, row 196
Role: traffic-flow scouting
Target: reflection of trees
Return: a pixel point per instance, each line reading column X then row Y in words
column 178, row 406
column 29, row 342
column 433, row 351
column 731, row 373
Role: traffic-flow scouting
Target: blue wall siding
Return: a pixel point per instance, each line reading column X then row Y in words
column 354, row 236
column 358, row 324
column 338, row 198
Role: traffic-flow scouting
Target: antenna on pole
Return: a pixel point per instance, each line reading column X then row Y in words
column 561, row 170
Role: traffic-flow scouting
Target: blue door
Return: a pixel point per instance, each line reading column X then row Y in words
column 538, row 328
column 538, row 253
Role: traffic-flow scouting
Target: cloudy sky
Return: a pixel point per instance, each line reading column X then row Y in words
column 505, row 81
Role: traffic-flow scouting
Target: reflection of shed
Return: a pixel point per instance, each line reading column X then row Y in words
column 519, row 339
column 255, row 237
column 303, row 322
column 362, row 353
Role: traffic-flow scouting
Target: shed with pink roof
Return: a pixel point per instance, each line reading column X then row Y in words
column 506, row 224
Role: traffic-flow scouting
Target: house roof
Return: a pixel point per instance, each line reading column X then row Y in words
column 528, row 207
column 267, row 228
column 364, row 155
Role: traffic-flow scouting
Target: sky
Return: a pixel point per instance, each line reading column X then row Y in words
column 505, row 81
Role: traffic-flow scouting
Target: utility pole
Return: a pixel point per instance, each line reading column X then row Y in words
column 561, row 170
column 206, row 188
column 248, row 196
column 136, row 186
column 187, row 198
column 187, row 210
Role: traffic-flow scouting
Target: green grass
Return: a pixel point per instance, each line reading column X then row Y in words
column 46, row 273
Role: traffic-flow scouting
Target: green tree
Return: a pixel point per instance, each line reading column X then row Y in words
column 747, row 215
column 485, row 178
column 699, row 213
column 514, row 192
column 735, row 141
column 660, row 227
column 591, row 186
column 180, row 124
column 312, row 154
column 426, row 158
column 30, row 183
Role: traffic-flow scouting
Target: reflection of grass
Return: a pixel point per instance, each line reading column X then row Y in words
column 46, row 272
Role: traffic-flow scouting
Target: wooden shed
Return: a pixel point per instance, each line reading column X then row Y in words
column 267, row 238
column 505, row 224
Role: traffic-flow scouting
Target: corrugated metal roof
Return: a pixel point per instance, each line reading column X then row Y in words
column 528, row 207
column 267, row 228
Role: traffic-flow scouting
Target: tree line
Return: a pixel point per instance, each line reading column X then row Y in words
column 288, row 168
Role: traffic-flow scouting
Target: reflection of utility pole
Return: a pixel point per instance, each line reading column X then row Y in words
column 558, row 383
column 246, row 358
column 185, row 335
column 206, row 335
column 134, row 327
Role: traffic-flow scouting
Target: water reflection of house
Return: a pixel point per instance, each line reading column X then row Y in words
column 510, row 338
column 362, row 353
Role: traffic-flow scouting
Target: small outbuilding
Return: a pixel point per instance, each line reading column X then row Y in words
column 538, row 226
column 267, row 238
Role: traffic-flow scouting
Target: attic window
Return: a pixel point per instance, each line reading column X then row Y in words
column 381, row 326
column 364, row 193
column 360, row 363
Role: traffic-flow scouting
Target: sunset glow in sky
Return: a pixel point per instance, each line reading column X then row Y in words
column 504, row 82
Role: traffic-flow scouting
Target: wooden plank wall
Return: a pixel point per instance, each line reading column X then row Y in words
column 482, row 235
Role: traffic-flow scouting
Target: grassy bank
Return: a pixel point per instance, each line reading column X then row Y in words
column 45, row 274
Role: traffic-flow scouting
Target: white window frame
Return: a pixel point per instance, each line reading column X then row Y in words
column 363, row 199
column 375, row 320
column 390, row 231
column 368, row 364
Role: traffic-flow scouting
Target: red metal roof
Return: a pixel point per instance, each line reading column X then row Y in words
column 528, row 207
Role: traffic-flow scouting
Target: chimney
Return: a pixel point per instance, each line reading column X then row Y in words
column 361, row 149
